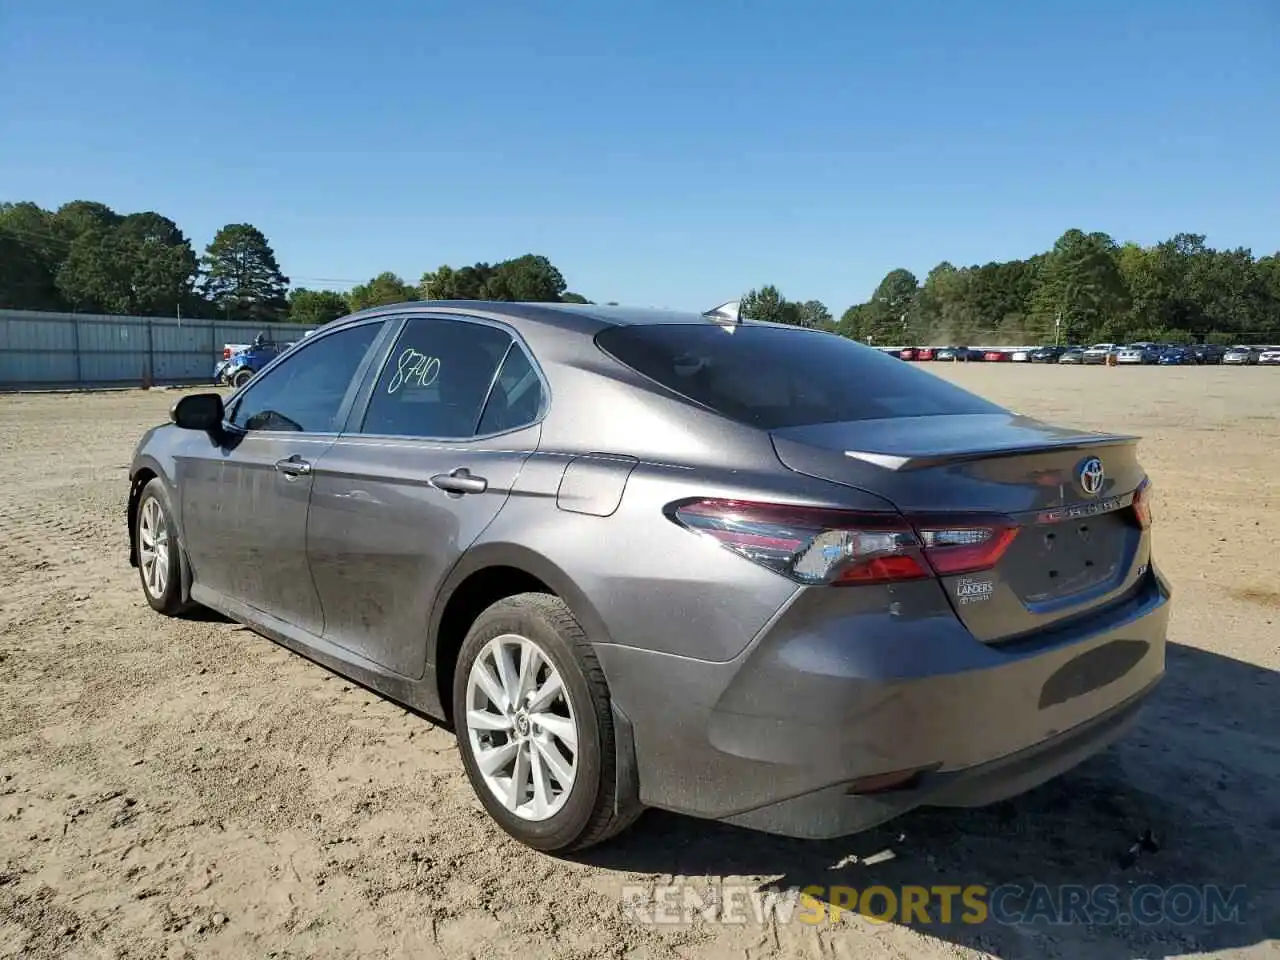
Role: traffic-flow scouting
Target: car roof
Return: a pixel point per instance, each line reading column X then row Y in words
column 585, row 318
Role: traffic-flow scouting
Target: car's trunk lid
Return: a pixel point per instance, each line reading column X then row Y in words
column 1075, row 549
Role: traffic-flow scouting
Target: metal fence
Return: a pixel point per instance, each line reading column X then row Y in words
column 87, row 350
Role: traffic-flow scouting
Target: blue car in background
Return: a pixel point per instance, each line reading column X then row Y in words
column 239, row 368
column 1175, row 356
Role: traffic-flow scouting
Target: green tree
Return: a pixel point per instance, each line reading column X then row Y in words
column 97, row 275
column 140, row 265
column 241, row 276
column 573, row 298
column 1080, row 284
column 82, row 216
column 31, row 252
column 446, row 283
column 814, row 313
column 313, row 308
column 163, row 264
column 766, row 304
column 888, row 313
column 529, row 279
column 385, row 288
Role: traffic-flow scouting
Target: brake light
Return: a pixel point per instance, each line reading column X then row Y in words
column 1142, row 504
column 226, row 353
column 820, row 546
column 810, row 545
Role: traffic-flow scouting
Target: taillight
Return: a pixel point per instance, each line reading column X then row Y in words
column 965, row 545
column 810, row 545
column 1142, row 504
column 226, row 353
column 820, row 546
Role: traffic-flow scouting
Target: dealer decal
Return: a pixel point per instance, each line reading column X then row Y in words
column 969, row 590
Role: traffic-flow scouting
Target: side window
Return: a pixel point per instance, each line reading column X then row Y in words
column 305, row 392
column 436, row 379
column 516, row 399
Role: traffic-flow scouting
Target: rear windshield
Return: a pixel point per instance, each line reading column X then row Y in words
column 774, row 377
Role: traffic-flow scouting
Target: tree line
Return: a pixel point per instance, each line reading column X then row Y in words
column 1087, row 288
column 86, row 257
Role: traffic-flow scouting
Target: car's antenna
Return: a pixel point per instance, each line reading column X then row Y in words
column 730, row 312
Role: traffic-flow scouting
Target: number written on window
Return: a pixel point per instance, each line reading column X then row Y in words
column 414, row 369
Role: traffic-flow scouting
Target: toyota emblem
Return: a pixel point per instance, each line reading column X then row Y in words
column 1092, row 476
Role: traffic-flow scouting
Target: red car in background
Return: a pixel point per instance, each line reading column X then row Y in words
column 924, row 353
column 995, row 356
column 908, row 353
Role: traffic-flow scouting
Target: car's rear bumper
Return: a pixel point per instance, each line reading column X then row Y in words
column 783, row 738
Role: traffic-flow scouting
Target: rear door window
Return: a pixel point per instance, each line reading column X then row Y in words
column 436, row 379
column 774, row 377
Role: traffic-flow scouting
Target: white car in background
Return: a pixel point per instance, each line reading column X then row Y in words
column 1137, row 353
column 1021, row 354
column 1269, row 357
column 1099, row 352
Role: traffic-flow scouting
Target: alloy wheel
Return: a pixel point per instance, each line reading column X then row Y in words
column 521, row 727
column 153, row 548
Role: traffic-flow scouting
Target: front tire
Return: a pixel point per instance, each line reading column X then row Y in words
column 535, row 727
column 159, row 553
column 241, row 377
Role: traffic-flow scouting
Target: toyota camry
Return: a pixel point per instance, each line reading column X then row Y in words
column 753, row 573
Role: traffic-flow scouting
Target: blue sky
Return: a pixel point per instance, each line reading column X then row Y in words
column 666, row 154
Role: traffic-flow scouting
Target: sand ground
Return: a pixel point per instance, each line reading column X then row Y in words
column 186, row 788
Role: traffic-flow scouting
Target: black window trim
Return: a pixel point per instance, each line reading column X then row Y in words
column 234, row 401
column 360, row 406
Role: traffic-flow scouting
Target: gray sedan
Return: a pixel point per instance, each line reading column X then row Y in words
column 752, row 573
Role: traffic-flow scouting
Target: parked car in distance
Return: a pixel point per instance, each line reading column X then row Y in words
column 1208, row 352
column 1269, row 357
column 952, row 353
column 229, row 350
column 1021, row 355
column 907, row 353
column 1242, row 355
column 925, row 353
column 1099, row 352
column 1047, row 354
column 995, row 356
column 1177, row 356
column 1137, row 353
column 850, row 588
column 241, row 366
column 1072, row 355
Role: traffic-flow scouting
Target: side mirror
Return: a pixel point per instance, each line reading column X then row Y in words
column 199, row 411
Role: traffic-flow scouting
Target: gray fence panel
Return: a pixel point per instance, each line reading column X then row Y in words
column 66, row 349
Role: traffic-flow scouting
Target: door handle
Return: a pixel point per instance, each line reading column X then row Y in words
column 293, row 466
column 459, row 482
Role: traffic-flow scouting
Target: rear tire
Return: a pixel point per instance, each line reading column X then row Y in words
column 160, row 562
column 535, row 727
column 241, row 377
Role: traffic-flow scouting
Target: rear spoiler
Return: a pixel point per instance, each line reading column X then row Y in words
column 901, row 462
